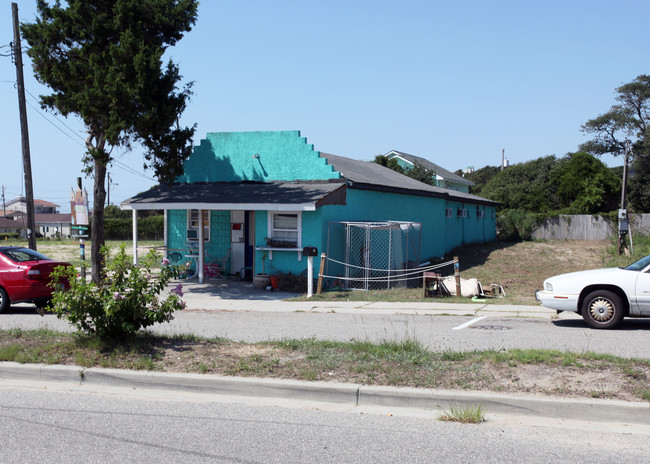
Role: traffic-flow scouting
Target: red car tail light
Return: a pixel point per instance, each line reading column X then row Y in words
column 34, row 273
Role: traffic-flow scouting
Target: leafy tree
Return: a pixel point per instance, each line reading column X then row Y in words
column 480, row 177
column 114, row 212
column 584, row 185
column 102, row 59
column 638, row 188
column 626, row 120
column 524, row 186
column 417, row 172
column 422, row 174
column 390, row 163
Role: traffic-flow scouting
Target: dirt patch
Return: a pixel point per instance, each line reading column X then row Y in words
column 587, row 379
column 522, row 267
column 561, row 375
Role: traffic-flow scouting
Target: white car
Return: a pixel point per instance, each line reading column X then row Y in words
column 602, row 296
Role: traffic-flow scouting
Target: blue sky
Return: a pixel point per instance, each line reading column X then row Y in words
column 453, row 82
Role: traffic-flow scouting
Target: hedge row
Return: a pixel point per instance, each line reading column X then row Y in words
column 149, row 228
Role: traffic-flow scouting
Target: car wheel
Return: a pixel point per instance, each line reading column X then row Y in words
column 602, row 309
column 5, row 302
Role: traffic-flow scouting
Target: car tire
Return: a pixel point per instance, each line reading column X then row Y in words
column 5, row 302
column 603, row 309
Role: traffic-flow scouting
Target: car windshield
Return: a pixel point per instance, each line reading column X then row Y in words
column 20, row 255
column 639, row 265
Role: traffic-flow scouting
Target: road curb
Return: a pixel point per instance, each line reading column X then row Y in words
column 495, row 403
column 353, row 394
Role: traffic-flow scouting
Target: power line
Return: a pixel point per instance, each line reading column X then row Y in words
column 57, row 127
column 60, row 120
column 118, row 163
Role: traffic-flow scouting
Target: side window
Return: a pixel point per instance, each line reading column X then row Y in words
column 284, row 230
column 193, row 225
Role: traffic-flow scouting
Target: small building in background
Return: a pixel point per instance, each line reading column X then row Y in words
column 49, row 222
column 443, row 178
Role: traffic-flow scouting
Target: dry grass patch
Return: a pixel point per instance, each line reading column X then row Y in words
column 406, row 363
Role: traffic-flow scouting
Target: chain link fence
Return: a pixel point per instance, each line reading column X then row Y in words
column 372, row 255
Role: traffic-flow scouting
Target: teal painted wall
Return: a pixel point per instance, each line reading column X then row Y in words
column 440, row 235
column 255, row 156
column 287, row 261
column 219, row 242
column 471, row 229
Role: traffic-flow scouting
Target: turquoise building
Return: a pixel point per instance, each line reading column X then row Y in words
column 259, row 198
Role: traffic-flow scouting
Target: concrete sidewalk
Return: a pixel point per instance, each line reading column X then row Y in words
column 348, row 394
column 231, row 295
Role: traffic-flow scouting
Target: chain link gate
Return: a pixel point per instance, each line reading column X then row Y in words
column 372, row 255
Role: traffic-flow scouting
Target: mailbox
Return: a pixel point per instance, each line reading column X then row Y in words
column 310, row 251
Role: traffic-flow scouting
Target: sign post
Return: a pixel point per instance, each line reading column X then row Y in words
column 79, row 216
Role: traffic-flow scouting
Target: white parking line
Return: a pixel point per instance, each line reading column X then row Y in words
column 468, row 323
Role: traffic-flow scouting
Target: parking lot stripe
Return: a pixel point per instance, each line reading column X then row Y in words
column 468, row 323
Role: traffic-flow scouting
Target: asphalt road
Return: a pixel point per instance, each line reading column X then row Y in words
column 74, row 425
column 438, row 332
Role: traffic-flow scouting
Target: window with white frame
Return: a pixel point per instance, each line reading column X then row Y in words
column 449, row 212
column 284, row 230
column 193, row 225
column 461, row 212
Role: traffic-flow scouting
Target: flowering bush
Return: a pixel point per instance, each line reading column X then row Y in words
column 126, row 300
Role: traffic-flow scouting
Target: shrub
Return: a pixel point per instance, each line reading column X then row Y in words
column 126, row 300
column 516, row 225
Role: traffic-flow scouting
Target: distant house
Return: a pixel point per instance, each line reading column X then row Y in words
column 443, row 178
column 40, row 206
column 266, row 195
column 10, row 227
column 49, row 222
column 53, row 225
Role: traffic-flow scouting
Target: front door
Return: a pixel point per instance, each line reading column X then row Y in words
column 237, row 241
column 249, row 232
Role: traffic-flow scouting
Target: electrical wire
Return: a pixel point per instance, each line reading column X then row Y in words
column 118, row 163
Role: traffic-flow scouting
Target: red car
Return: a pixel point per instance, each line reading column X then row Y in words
column 24, row 276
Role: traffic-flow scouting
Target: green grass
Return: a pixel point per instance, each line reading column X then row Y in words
column 467, row 414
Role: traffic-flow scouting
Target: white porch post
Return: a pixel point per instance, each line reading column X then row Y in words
column 310, row 276
column 199, row 260
column 135, row 236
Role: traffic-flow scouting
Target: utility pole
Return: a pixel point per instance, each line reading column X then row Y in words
column 27, row 164
column 4, row 204
column 503, row 158
column 108, row 197
column 623, row 220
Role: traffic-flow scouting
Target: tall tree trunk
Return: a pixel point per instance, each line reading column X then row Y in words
column 97, row 229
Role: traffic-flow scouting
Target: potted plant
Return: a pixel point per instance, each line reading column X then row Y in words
column 261, row 281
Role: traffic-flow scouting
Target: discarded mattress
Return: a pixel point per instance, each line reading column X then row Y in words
column 468, row 287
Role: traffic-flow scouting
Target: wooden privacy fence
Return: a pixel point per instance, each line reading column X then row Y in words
column 587, row 227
